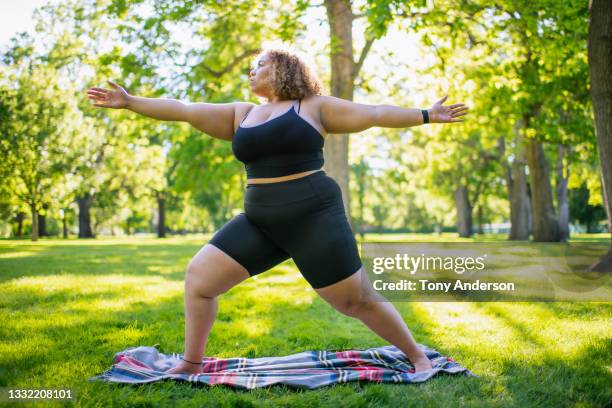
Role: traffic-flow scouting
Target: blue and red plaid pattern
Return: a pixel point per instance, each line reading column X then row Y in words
column 308, row 369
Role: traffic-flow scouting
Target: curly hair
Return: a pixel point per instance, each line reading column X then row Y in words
column 291, row 77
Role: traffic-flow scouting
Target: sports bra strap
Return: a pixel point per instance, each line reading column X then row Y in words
column 247, row 114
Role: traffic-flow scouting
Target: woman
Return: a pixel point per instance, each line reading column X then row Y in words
column 292, row 208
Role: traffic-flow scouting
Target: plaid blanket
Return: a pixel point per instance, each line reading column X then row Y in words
column 308, row 369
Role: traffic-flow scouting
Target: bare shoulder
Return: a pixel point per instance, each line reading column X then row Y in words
column 217, row 119
column 311, row 106
column 323, row 103
column 241, row 110
column 310, row 111
column 315, row 100
column 340, row 115
column 324, row 99
column 243, row 107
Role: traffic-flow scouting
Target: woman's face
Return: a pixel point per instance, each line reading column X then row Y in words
column 259, row 77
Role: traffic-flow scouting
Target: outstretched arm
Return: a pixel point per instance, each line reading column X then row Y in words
column 341, row 116
column 215, row 119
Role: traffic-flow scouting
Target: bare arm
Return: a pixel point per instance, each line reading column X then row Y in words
column 214, row 119
column 395, row 117
column 158, row 108
column 341, row 116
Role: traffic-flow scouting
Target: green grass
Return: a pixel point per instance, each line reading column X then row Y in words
column 67, row 307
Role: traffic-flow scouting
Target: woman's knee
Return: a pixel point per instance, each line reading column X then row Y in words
column 197, row 281
column 350, row 296
column 210, row 273
column 355, row 304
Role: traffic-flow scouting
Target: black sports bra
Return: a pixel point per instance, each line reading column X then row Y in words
column 283, row 145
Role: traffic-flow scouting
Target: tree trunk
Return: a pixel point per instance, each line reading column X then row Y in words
column 529, row 212
column 42, row 222
column 519, row 199
column 42, row 225
column 501, row 146
column 161, row 215
column 64, row 227
column 20, row 218
column 84, row 203
column 439, row 227
column 34, row 212
column 600, row 61
column 604, row 199
column 545, row 224
column 480, row 216
column 361, row 189
column 519, row 205
column 464, row 212
column 340, row 17
column 562, row 199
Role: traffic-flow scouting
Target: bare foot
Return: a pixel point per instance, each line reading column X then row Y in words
column 423, row 364
column 185, row 368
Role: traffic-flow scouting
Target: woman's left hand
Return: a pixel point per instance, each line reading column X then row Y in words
column 447, row 114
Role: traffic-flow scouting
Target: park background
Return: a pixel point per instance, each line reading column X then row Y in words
column 529, row 139
column 525, row 166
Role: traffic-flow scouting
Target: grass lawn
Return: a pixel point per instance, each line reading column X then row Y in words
column 67, row 307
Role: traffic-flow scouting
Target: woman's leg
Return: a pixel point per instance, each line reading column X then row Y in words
column 306, row 216
column 355, row 297
column 238, row 250
column 210, row 273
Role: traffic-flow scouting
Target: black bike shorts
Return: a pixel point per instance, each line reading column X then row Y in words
column 303, row 219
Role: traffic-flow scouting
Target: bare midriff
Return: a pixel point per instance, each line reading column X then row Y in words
column 282, row 178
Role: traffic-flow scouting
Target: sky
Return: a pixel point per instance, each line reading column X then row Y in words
column 408, row 54
column 16, row 16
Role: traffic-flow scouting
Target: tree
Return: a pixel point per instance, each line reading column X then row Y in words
column 345, row 70
column 360, row 170
column 582, row 211
column 600, row 61
column 540, row 66
column 34, row 144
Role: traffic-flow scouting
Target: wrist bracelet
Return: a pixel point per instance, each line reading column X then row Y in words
column 190, row 361
column 425, row 115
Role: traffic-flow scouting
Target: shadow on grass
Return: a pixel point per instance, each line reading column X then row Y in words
column 556, row 382
column 569, row 309
column 581, row 378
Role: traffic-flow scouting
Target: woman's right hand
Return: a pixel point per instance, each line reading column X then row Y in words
column 116, row 98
